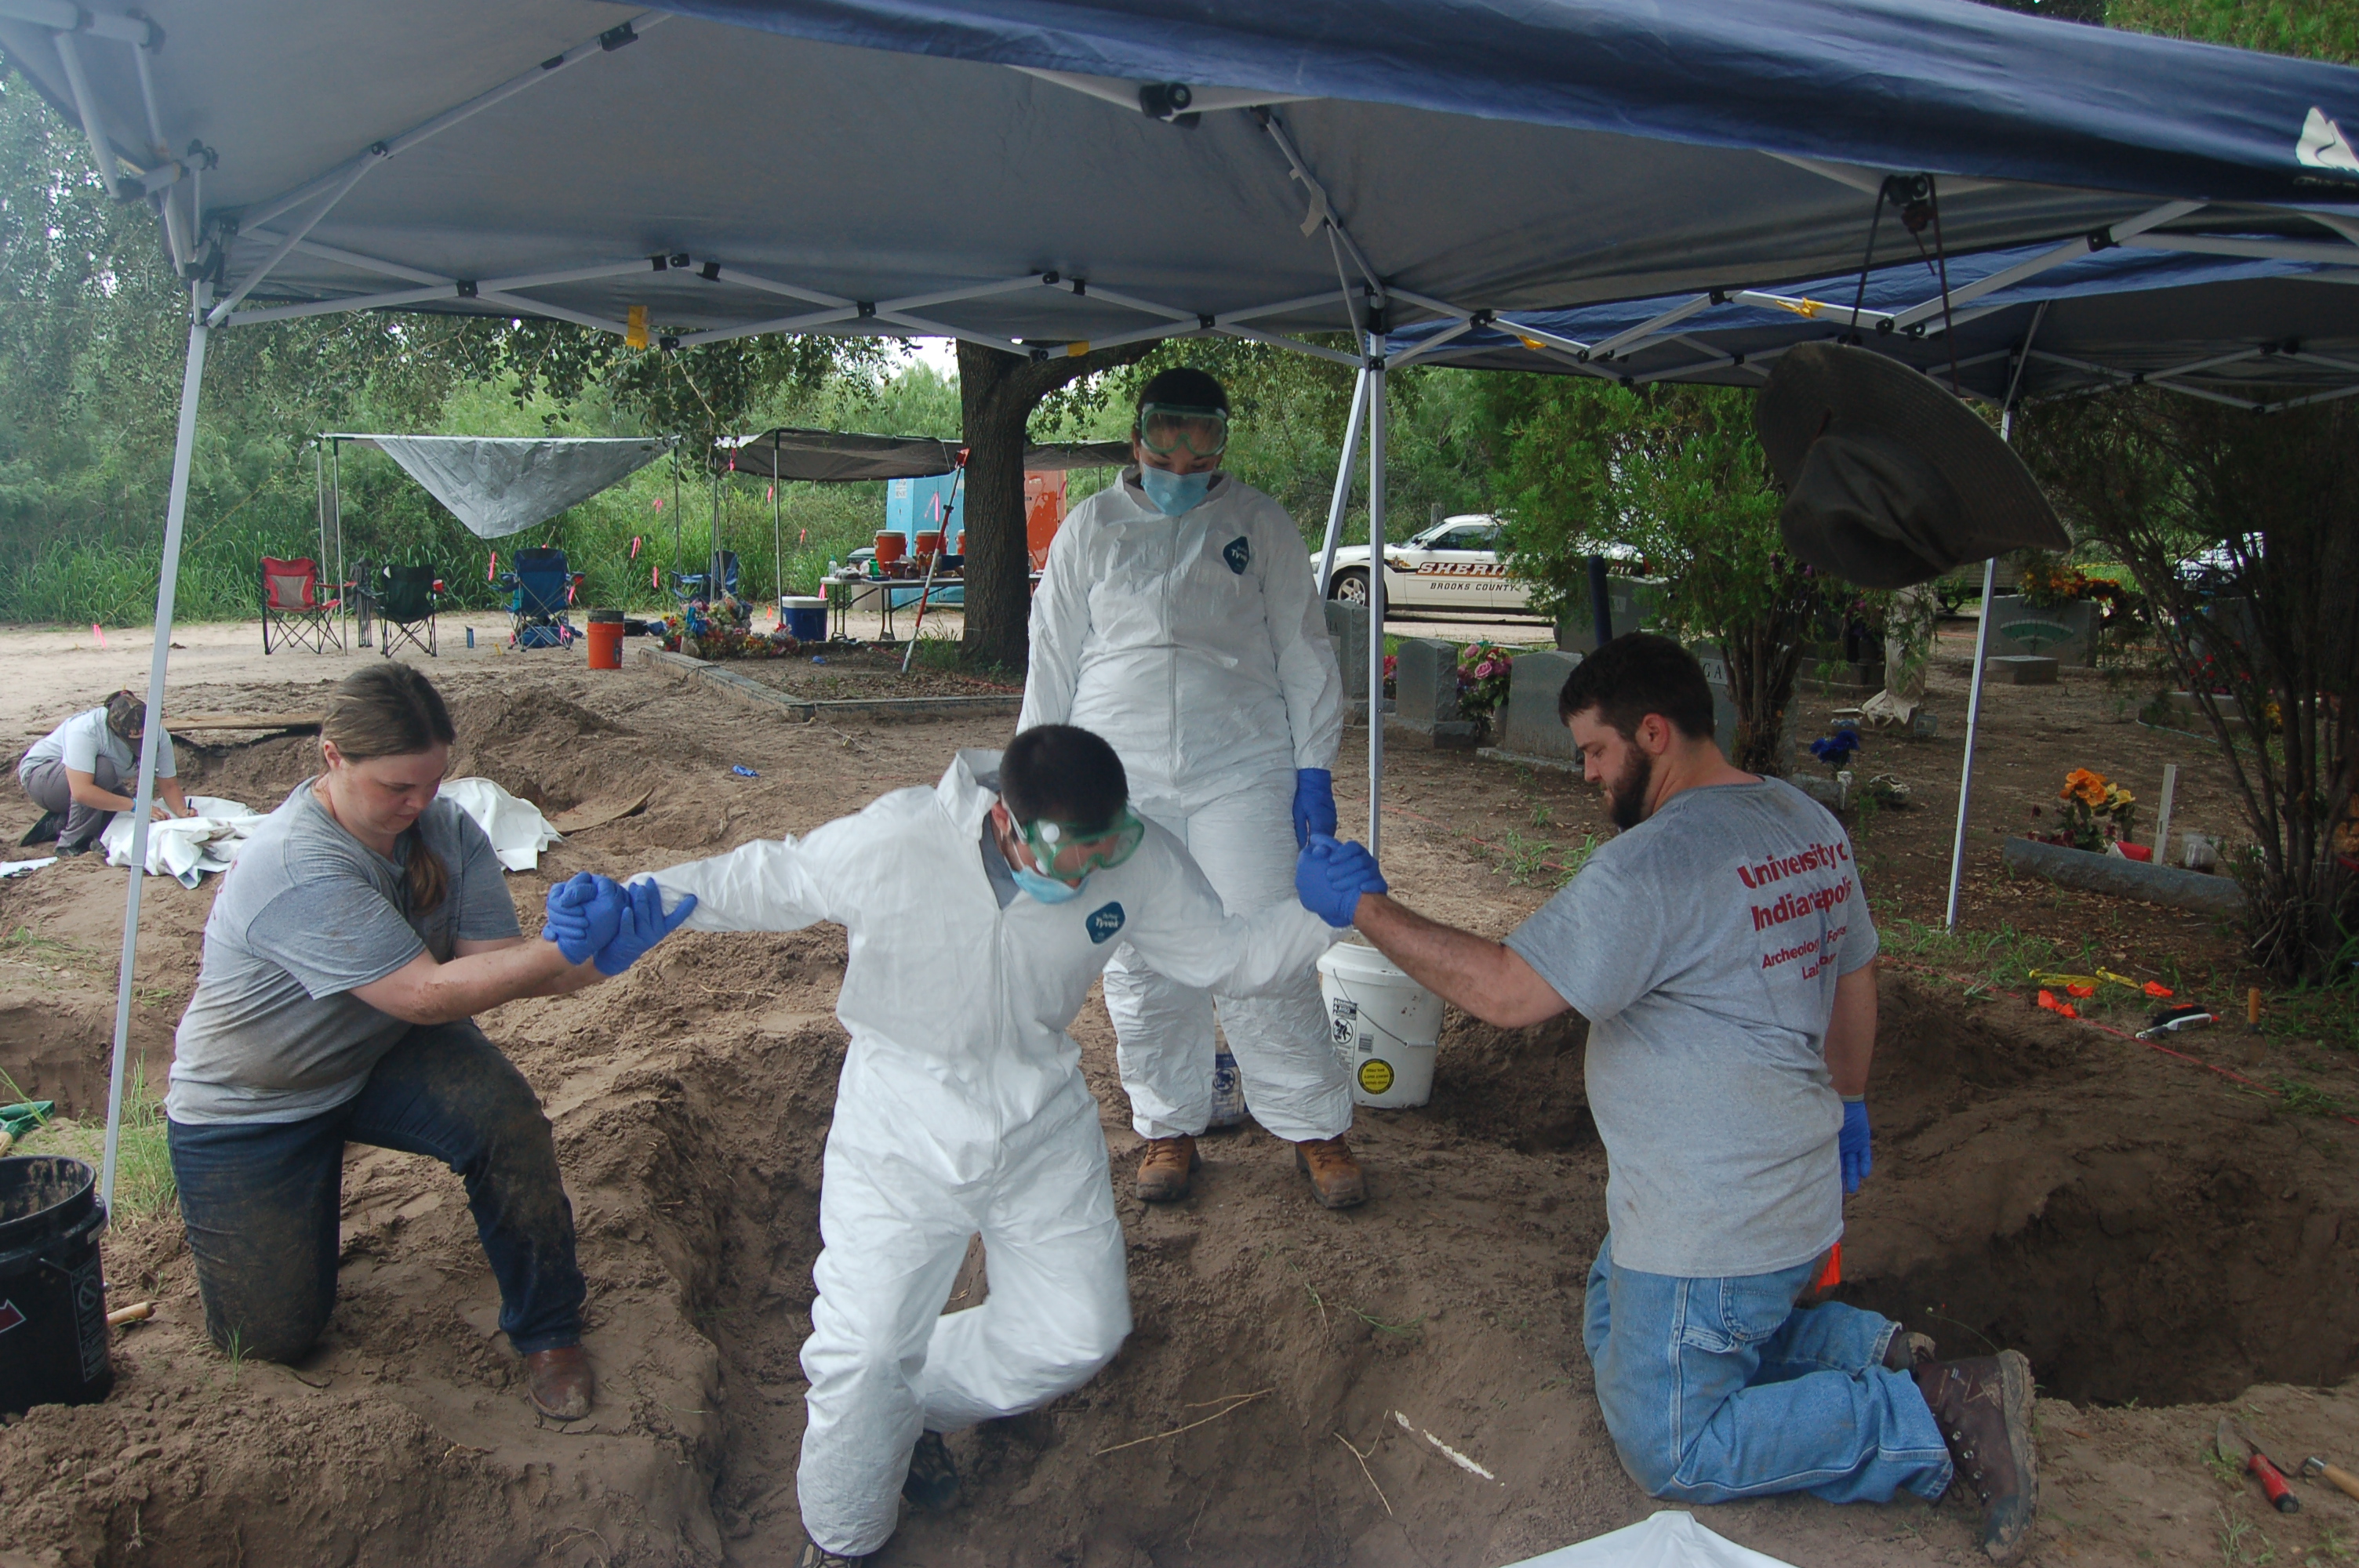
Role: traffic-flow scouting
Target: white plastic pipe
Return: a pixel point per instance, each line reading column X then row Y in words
column 1375, row 379
column 1342, row 500
column 176, row 512
column 1973, row 725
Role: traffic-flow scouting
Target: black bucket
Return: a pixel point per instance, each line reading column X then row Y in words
column 53, row 1297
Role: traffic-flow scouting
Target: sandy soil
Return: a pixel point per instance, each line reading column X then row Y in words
column 2158, row 1237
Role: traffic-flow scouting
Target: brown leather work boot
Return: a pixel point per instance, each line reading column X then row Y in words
column 1984, row 1406
column 1163, row 1174
column 1335, row 1175
column 814, row 1555
column 561, row 1383
column 1909, row 1351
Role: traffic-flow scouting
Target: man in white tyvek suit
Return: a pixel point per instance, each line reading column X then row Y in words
column 980, row 910
column 1179, row 619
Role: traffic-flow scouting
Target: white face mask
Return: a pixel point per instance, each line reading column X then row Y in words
column 1048, row 889
column 1173, row 495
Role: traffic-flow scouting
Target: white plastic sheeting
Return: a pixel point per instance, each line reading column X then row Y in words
column 499, row 486
column 186, row 848
column 1670, row 1539
column 517, row 830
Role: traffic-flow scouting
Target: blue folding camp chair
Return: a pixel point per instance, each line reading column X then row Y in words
column 702, row 595
column 540, row 593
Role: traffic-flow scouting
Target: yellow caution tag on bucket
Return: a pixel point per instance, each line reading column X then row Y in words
column 1375, row 1076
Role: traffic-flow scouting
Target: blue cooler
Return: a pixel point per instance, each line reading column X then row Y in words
column 806, row 618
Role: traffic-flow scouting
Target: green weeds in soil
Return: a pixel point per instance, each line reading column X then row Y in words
column 2308, row 1099
column 144, row 1187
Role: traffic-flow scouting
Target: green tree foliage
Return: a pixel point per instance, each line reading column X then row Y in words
column 2272, row 654
column 1676, row 472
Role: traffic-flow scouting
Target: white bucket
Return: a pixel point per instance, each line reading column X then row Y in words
column 1382, row 1023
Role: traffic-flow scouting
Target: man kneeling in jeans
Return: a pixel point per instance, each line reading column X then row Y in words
column 1721, row 949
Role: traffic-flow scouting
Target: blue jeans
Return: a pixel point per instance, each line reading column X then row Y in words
column 261, row 1200
column 1720, row 1388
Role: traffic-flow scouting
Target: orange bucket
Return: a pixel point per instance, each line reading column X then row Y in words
column 605, row 639
column 889, row 546
column 928, row 545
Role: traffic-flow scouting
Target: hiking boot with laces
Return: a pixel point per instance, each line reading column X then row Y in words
column 1984, row 1407
column 1334, row 1175
column 933, row 1480
column 1909, row 1351
column 1163, row 1174
column 814, row 1555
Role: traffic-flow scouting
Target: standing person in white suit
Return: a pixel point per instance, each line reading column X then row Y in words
column 1179, row 619
column 980, row 910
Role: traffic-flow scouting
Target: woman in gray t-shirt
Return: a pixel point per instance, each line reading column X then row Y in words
column 362, row 925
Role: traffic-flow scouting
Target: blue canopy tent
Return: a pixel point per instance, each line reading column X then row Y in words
column 714, row 168
column 2255, row 333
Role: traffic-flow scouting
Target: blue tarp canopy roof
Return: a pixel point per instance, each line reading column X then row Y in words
column 877, row 166
column 2263, row 332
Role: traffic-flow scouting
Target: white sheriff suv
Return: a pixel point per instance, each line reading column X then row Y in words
column 1453, row 565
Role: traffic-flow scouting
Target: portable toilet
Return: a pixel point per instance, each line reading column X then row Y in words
column 914, row 506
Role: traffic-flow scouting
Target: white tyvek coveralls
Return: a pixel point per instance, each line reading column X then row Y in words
column 962, row 1110
column 1197, row 646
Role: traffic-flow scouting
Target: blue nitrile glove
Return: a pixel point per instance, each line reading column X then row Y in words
column 1858, row 1159
column 1314, row 803
column 585, row 911
column 644, row 925
column 1330, row 877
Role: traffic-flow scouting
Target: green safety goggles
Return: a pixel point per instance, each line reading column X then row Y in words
column 1165, row 428
column 1070, row 853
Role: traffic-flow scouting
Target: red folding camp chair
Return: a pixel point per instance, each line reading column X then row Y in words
column 291, row 602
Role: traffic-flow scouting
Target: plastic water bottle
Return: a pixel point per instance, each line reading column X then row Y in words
column 471, row 637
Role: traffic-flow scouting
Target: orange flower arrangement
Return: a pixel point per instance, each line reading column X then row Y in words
column 2095, row 809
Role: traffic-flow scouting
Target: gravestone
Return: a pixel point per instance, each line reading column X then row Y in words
column 1425, row 684
column 2020, row 670
column 2065, row 633
column 1347, row 629
column 1529, row 726
column 1723, row 708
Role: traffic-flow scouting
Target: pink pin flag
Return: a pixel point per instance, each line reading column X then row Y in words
column 98, row 631
column 660, row 504
column 655, row 577
column 491, row 568
column 634, row 545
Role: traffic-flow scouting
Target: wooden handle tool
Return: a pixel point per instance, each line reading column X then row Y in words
column 2313, row 1469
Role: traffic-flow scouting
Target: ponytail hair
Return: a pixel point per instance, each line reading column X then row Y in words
column 391, row 710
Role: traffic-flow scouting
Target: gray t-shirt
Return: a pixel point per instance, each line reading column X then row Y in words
column 81, row 741
column 306, row 915
column 1708, row 1018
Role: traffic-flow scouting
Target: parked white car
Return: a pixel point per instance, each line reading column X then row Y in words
column 1453, row 565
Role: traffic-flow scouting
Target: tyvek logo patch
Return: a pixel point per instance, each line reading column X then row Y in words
column 1104, row 922
column 1238, row 553
column 2323, row 144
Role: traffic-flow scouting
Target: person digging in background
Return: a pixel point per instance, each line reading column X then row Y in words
column 74, row 774
column 362, row 923
column 980, row 911
column 1719, row 948
column 1179, row 619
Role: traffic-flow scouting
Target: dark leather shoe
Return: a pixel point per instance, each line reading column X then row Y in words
column 1984, row 1406
column 932, row 1481
column 816, row 1556
column 1909, row 1351
column 561, row 1383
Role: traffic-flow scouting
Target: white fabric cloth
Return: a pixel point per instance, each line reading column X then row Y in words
column 1196, row 645
column 1670, row 1539
column 186, row 848
column 961, row 1110
column 1295, row 1085
column 24, row 868
column 517, row 830
column 81, row 741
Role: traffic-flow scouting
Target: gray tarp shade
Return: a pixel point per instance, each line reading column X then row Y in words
column 838, row 456
column 869, row 165
column 499, row 486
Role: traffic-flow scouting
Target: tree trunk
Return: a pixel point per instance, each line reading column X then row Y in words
column 997, row 393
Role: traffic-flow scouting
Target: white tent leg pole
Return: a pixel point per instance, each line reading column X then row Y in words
column 777, row 548
column 1973, row 725
column 144, row 802
column 1342, row 500
column 1373, row 376
column 336, row 505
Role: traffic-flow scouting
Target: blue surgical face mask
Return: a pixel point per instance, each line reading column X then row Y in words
column 1048, row 889
column 1173, row 493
